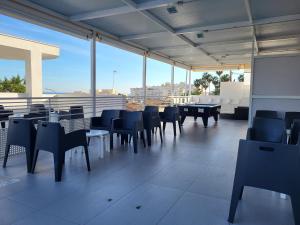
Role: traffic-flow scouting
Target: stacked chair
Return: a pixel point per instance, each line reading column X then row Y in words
column 21, row 133
column 51, row 137
column 129, row 124
column 170, row 115
column 151, row 121
column 266, row 161
column 104, row 122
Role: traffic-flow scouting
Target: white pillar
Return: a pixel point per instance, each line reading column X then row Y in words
column 33, row 77
column 190, row 83
column 144, row 78
column 186, row 80
column 93, row 74
column 172, row 80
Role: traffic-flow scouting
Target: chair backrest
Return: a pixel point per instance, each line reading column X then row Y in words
column 49, row 136
column 21, row 132
column 38, row 108
column 272, row 166
column 170, row 112
column 76, row 112
column 108, row 115
column 150, row 108
column 1, row 107
column 295, row 131
column 267, row 114
column 290, row 117
column 268, row 130
column 129, row 119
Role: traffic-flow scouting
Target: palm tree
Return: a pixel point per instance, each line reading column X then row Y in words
column 241, row 78
column 208, row 77
column 219, row 73
column 216, row 83
column 204, row 84
column 225, row 78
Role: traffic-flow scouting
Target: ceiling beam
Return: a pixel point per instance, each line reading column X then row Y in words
column 249, row 13
column 216, row 27
column 121, row 10
column 167, row 27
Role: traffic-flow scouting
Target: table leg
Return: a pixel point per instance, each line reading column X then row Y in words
column 205, row 120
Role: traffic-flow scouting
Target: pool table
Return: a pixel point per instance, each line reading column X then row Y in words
column 199, row 110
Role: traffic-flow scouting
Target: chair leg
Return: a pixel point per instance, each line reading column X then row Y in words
column 241, row 193
column 236, row 193
column 135, row 137
column 28, row 160
column 143, row 138
column 122, row 139
column 179, row 126
column 164, row 126
column 295, row 200
column 35, row 156
column 174, row 128
column 87, row 158
column 160, row 134
column 126, row 138
column 111, row 140
column 58, row 166
column 6, row 155
column 148, row 132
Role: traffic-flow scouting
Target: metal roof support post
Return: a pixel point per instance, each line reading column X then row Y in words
column 93, row 73
column 145, row 78
column 172, row 80
column 190, row 83
column 186, row 80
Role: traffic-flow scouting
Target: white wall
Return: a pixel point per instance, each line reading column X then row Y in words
column 276, row 83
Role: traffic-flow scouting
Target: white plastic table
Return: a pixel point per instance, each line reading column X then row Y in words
column 99, row 139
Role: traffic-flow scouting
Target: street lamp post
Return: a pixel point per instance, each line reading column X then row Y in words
column 114, row 75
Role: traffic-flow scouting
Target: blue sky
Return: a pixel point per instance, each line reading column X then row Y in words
column 71, row 70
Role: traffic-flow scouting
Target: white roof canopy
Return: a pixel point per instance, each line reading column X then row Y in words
column 200, row 34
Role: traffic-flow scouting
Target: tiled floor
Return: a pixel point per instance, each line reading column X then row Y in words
column 185, row 181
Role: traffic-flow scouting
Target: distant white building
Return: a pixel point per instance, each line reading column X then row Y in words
column 156, row 92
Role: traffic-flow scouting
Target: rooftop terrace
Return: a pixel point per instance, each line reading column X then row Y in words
column 186, row 180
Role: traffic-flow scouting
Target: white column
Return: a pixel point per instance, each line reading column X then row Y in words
column 186, row 79
column 93, row 74
column 144, row 78
column 172, row 80
column 33, row 76
column 190, row 83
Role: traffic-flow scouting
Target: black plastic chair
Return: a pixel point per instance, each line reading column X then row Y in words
column 170, row 115
column 4, row 114
column 290, row 117
column 21, row 132
column 151, row 121
column 270, row 166
column 38, row 111
column 104, row 122
column 268, row 130
column 130, row 123
column 267, row 114
column 51, row 137
column 295, row 132
column 76, row 112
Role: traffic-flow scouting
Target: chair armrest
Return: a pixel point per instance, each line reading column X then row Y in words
column 96, row 121
column 116, row 123
column 75, row 139
column 250, row 134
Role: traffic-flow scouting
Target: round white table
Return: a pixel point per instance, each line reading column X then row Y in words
column 99, row 139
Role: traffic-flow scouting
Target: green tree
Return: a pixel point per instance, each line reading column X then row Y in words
column 219, row 73
column 13, row 84
column 207, row 77
column 197, row 84
column 241, row 78
column 216, row 83
column 225, row 78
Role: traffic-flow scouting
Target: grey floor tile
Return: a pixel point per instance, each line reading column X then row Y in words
column 41, row 219
column 145, row 205
column 193, row 209
column 11, row 211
